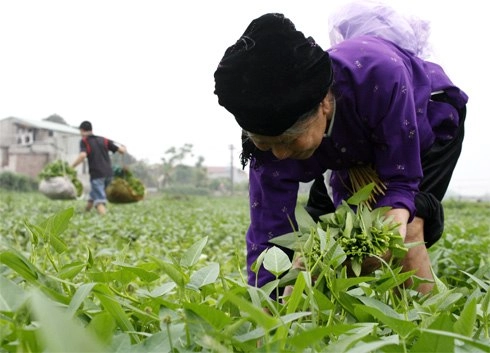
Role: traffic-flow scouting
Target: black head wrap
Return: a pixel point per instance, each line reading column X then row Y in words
column 272, row 75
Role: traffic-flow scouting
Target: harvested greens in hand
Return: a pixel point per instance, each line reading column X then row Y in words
column 349, row 236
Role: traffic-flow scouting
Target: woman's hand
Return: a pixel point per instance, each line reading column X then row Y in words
column 400, row 215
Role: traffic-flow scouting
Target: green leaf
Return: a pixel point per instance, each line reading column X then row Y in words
column 160, row 341
column 442, row 301
column 259, row 332
column 399, row 325
column 362, row 195
column 356, row 266
column 192, row 255
column 374, row 346
column 255, row 267
column 34, row 231
column 102, row 326
column 174, row 273
column 444, row 336
column 215, row 317
column 270, row 287
column 335, row 255
column 60, row 332
column 143, row 274
column 295, row 298
column 90, row 259
column 123, row 276
column 71, row 270
column 380, row 306
column 121, row 343
column 322, row 302
column 18, row 263
column 80, row 295
column 256, row 295
column 436, row 342
column 111, row 305
column 303, row 219
column 466, row 322
column 349, row 225
column 12, row 297
column 481, row 283
column 204, row 276
column 253, row 312
column 54, row 226
column 342, row 284
column 349, row 303
column 307, row 338
column 439, row 287
column 392, row 279
column 276, row 261
column 349, row 340
column 293, row 240
column 341, row 329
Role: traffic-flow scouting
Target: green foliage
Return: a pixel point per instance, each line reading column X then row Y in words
column 17, row 182
column 363, row 233
column 167, row 275
column 135, row 184
column 346, row 236
column 465, row 245
column 186, row 190
column 125, row 187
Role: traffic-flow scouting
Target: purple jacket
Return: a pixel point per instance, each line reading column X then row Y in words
column 383, row 116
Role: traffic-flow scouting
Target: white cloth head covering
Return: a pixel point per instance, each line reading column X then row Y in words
column 376, row 18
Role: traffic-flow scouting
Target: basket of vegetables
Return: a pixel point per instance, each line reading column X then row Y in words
column 125, row 187
column 58, row 181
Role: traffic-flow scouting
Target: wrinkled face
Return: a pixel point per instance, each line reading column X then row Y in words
column 300, row 141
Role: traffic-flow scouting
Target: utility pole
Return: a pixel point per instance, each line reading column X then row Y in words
column 231, row 168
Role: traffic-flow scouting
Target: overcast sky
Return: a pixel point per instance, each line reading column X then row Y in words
column 142, row 71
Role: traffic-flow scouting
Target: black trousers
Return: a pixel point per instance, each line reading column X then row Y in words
column 438, row 164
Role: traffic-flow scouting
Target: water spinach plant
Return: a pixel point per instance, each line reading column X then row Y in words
column 167, row 274
column 355, row 233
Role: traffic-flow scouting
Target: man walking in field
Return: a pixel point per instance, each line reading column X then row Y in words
column 96, row 150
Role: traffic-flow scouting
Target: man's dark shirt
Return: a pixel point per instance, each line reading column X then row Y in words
column 97, row 149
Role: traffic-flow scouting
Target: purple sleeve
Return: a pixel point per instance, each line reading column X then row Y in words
column 385, row 92
column 273, row 195
column 395, row 137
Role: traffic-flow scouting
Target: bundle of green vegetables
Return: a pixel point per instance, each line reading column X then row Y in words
column 363, row 233
column 125, row 187
column 59, row 181
column 351, row 236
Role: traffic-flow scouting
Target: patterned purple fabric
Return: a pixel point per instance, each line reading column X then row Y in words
column 384, row 116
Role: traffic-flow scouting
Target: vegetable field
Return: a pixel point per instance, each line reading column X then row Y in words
column 167, row 274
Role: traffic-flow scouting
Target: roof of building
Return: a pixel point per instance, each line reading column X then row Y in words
column 47, row 125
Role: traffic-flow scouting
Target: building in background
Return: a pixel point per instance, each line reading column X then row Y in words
column 26, row 146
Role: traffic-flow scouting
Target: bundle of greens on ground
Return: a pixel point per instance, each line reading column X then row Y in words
column 59, row 181
column 125, row 187
column 353, row 236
